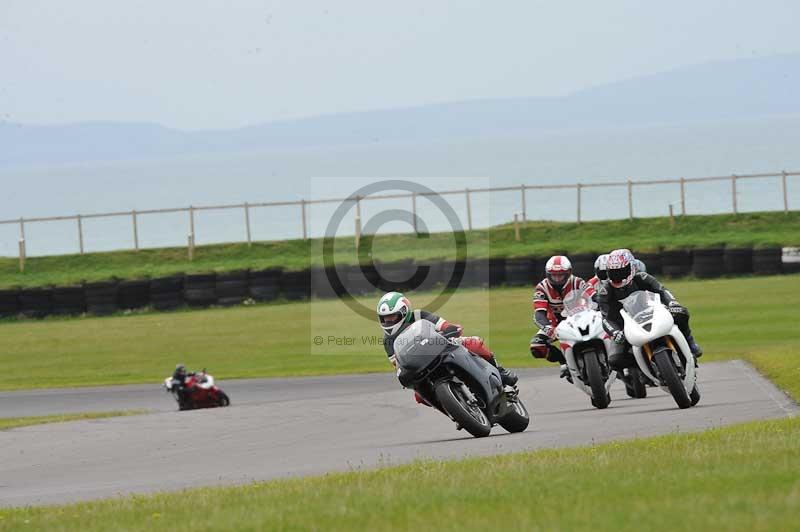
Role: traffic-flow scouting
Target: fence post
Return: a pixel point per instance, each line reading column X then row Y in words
column 135, row 231
column 578, row 188
column 524, row 207
column 22, row 228
column 516, row 227
column 80, row 233
column 414, row 211
column 733, row 194
column 683, row 196
column 671, row 217
column 191, row 220
column 785, row 195
column 469, row 210
column 247, row 222
column 303, row 216
column 190, row 246
column 358, row 231
column 630, row 199
column 21, row 254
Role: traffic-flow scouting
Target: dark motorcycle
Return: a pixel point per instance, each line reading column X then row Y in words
column 464, row 387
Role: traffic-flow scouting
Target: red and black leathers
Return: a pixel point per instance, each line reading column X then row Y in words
column 548, row 302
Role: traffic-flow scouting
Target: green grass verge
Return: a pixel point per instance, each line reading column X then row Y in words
column 538, row 238
column 15, row 422
column 744, row 477
column 732, row 318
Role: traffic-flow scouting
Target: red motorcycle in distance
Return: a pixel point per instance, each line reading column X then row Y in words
column 199, row 391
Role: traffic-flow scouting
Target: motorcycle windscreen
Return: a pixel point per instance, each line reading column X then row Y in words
column 418, row 346
column 640, row 305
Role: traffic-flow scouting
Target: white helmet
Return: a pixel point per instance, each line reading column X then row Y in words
column 558, row 270
column 600, row 267
column 394, row 309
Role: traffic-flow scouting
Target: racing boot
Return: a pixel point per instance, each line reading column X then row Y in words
column 508, row 377
column 565, row 373
column 696, row 350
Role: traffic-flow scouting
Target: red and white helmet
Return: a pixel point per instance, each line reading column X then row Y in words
column 558, row 270
column 620, row 268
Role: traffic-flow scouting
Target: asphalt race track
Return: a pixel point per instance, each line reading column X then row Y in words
column 304, row 426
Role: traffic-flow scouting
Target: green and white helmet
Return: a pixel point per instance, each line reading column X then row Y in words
column 394, row 309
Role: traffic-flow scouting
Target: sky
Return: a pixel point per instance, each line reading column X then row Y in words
column 193, row 64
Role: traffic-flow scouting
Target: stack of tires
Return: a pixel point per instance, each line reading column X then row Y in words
column 519, row 271
column 133, row 294
column 200, row 289
column 767, row 260
column 497, row 271
column 737, row 261
column 232, row 288
column 101, row 297
column 296, row 285
column 9, row 302
column 166, row 293
column 434, row 275
column 35, row 302
column 583, row 264
column 651, row 260
column 676, row 263
column 265, row 284
column 708, row 262
column 68, row 300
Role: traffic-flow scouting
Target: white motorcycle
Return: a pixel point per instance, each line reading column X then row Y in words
column 661, row 351
column 586, row 347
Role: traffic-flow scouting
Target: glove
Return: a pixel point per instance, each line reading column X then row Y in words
column 618, row 337
column 549, row 331
column 676, row 308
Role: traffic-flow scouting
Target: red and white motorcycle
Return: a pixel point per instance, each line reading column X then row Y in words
column 199, row 391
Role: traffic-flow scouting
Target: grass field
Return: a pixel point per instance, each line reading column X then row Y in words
column 538, row 238
column 15, row 422
column 751, row 318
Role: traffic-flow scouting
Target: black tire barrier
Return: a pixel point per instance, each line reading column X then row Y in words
column 708, row 262
column 133, row 294
column 101, row 297
column 35, row 302
column 199, row 289
column 9, row 303
column 519, row 271
column 738, row 260
column 265, row 284
column 232, row 288
column 497, row 271
column 166, row 293
column 476, row 273
column 321, row 286
column 652, row 261
column 358, row 282
column 583, row 265
column 68, row 300
column 296, row 286
column 396, row 276
column 435, row 275
column 676, row 263
column 767, row 261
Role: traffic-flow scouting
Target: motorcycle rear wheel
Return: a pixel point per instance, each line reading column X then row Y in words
column 600, row 396
column 669, row 375
column 470, row 417
column 637, row 388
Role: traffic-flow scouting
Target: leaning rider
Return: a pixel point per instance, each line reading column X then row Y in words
column 548, row 302
column 600, row 271
column 180, row 376
column 395, row 315
column 623, row 280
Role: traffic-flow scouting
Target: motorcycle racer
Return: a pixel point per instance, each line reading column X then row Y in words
column 600, row 271
column 395, row 314
column 623, row 280
column 548, row 302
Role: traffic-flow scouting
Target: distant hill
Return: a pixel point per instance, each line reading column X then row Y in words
column 710, row 92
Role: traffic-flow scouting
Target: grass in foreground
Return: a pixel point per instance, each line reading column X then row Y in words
column 744, row 477
column 732, row 318
column 538, row 238
column 15, row 422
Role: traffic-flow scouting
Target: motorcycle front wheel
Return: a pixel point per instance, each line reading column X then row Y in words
column 669, row 375
column 463, row 410
column 517, row 419
column 223, row 399
column 600, row 397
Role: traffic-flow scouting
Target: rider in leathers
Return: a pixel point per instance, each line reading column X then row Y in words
column 622, row 281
